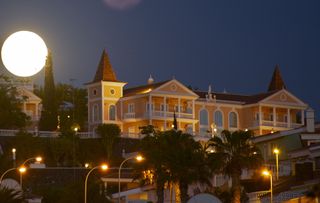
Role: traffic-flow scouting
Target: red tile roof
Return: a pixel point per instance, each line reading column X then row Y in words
column 245, row 99
column 142, row 89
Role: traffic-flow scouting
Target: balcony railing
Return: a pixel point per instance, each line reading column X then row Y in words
column 129, row 115
column 168, row 114
column 276, row 124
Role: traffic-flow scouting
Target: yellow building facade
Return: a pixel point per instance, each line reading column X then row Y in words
column 201, row 113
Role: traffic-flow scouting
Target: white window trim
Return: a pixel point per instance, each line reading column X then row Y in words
column 222, row 117
column 237, row 116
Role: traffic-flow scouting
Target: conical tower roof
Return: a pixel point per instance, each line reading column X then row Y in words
column 105, row 71
column 276, row 82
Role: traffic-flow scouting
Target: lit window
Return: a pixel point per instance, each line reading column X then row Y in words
column 218, row 120
column 112, row 112
column 233, row 120
column 203, row 122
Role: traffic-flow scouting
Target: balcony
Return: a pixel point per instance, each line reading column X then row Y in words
column 277, row 124
column 129, row 115
column 168, row 114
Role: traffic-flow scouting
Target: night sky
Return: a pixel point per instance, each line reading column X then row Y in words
column 230, row 44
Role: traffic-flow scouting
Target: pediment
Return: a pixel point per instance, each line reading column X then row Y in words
column 30, row 96
column 284, row 97
column 174, row 87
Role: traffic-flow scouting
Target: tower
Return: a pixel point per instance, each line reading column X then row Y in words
column 104, row 93
column 276, row 82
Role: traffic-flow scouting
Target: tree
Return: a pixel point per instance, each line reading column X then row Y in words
column 9, row 195
column 233, row 153
column 174, row 157
column 153, row 170
column 10, row 102
column 186, row 160
column 108, row 133
column 314, row 193
column 49, row 120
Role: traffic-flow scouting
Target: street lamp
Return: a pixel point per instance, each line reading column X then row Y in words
column 103, row 167
column 276, row 151
column 268, row 173
column 38, row 159
column 138, row 158
column 22, row 169
column 7, row 171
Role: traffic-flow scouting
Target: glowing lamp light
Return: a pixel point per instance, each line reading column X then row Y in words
column 24, row 53
column 104, row 167
column 39, row 159
column 22, row 169
column 14, row 150
column 276, row 151
column 139, row 158
column 266, row 173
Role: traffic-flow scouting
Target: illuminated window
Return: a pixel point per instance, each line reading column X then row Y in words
column 112, row 112
column 95, row 113
column 203, row 121
column 233, row 120
column 218, row 120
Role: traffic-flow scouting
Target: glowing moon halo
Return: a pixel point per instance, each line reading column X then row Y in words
column 24, row 53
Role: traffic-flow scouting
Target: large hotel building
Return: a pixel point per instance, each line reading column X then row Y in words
column 200, row 113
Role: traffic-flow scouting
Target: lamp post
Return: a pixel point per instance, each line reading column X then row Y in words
column 23, row 169
column 7, row 171
column 103, row 167
column 276, row 151
column 268, row 173
column 138, row 158
column 14, row 156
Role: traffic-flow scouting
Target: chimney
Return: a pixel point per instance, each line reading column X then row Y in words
column 310, row 120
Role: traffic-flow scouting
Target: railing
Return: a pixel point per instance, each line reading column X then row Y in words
column 129, row 115
column 162, row 114
column 279, row 124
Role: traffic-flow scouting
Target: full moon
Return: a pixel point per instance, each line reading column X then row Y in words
column 24, row 53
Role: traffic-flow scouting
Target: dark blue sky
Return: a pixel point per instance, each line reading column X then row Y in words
column 230, row 44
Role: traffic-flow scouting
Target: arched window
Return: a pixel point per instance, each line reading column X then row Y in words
column 203, row 120
column 218, row 120
column 112, row 112
column 233, row 120
column 95, row 113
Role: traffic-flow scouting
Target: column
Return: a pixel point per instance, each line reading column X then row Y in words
column 260, row 120
column 302, row 116
column 150, row 109
column 193, row 117
column 36, row 113
column 121, row 109
column 274, row 116
column 179, row 111
column 288, row 118
column 102, row 104
column 165, row 112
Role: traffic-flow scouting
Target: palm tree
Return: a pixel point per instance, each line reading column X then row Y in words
column 174, row 157
column 108, row 133
column 186, row 160
column 152, row 149
column 9, row 195
column 233, row 153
